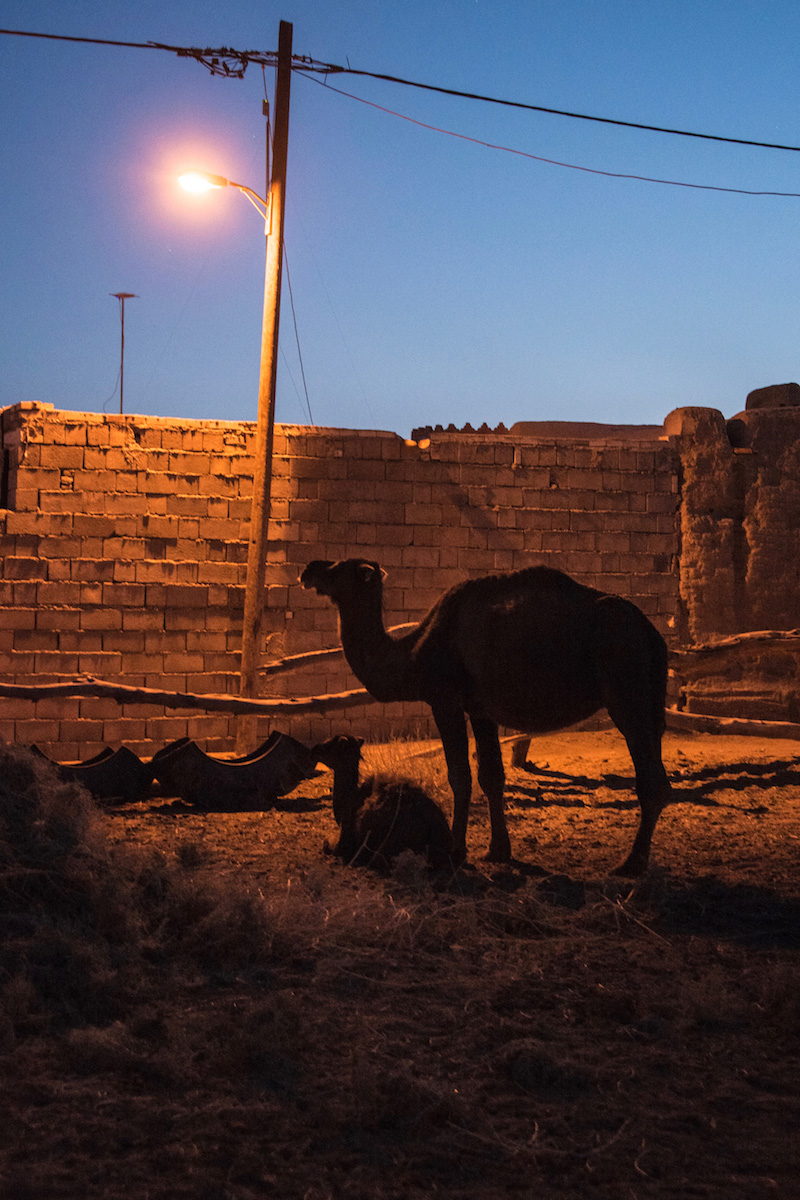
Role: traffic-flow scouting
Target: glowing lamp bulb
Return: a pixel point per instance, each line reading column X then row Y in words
column 200, row 181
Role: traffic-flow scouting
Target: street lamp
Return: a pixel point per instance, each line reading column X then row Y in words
column 199, row 182
column 122, row 297
column 272, row 211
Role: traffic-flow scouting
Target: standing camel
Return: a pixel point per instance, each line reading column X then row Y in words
column 532, row 650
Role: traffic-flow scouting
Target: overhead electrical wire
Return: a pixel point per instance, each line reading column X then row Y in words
column 310, row 247
column 560, row 112
column 297, row 335
column 225, row 61
column 233, row 64
column 705, row 187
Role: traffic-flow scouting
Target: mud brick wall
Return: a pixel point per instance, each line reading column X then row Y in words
column 739, row 519
column 434, row 514
column 124, row 543
column 740, row 547
column 123, row 559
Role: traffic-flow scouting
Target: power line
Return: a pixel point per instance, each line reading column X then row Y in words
column 560, row 112
column 224, row 61
column 233, row 64
column 337, row 322
column 705, row 187
column 297, row 335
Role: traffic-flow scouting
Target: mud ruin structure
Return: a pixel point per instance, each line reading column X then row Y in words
column 124, row 545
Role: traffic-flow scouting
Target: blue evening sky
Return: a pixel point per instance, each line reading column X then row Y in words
column 434, row 279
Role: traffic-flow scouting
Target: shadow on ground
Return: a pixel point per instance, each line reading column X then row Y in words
column 550, row 788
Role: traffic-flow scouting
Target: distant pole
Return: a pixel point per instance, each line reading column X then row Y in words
column 122, row 297
column 262, row 471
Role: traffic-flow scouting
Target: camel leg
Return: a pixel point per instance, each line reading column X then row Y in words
column 492, row 780
column 653, row 790
column 452, row 726
column 633, row 672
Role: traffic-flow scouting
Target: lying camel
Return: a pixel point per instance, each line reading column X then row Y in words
column 379, row 819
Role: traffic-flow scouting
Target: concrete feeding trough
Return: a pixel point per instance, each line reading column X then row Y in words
column 110, row 775
column 253, row 781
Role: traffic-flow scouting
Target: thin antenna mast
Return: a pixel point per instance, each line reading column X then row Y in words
column 122, row 297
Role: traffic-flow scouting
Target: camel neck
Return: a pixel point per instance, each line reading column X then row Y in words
column 345, row 791
column 375, row 658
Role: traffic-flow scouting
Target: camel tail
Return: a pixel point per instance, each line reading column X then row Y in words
column 654, row 672
column 659, row 673
column 633, row 660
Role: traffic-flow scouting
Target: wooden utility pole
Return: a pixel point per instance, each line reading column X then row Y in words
column 262, row 472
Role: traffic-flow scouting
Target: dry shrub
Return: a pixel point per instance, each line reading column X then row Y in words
column 255, row 1048
column 67, row 919
column 41, row 819
column 218, row 923
column 92, row 928
column 407, row 913
column 399, row 760
column 89, row 929
column 113, row 1050
column 261, row 1051
column 335, row 910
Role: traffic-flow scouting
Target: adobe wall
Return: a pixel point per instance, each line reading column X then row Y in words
column 740, row 547
column 124, row 543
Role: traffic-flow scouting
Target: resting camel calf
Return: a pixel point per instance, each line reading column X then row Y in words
column 379, row 819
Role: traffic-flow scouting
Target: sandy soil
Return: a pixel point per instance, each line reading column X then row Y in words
column 538, row 1029
column 736, row 811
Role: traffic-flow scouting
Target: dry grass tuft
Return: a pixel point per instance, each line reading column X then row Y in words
column 89, row 926
column 69, row 924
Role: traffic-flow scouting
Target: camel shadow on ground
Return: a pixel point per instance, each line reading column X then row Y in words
column 749, row 915
column 690, row 786
column 739, row 777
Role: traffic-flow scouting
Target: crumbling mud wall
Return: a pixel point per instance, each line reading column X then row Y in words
column 711, row 513
column 124, row 545
column 739, row 547
column 771, row 520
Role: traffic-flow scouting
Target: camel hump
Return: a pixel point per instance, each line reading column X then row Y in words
column 529, row 585
column 530, row 602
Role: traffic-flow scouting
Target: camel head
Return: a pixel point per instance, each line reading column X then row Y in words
column 339, row 751
column 349, row 579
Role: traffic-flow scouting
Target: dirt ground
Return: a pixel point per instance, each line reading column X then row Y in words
column 571, row 810
column 541, row 1029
